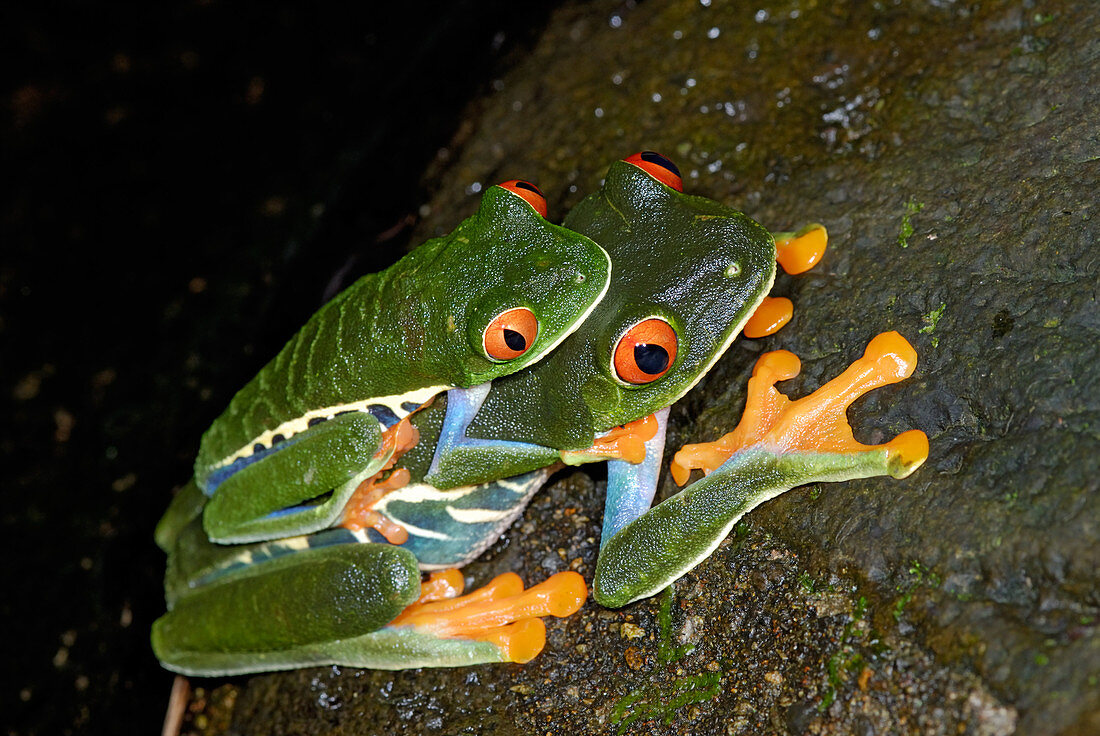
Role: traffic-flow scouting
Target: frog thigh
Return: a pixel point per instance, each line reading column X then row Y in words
column 288, row 612
column 272, row 497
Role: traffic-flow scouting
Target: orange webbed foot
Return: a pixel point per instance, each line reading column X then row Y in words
column 796, row 253
column 501, row 612
column 818, row 422
column 773, row 313
column 359, row 512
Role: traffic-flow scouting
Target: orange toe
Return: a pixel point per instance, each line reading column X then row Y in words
column 770, row 317
column 799, row 252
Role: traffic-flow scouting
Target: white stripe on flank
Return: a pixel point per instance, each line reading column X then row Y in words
column 419, row 532
column 292, row 427
column 520, row 488
column 478, row 516
column 419, row 492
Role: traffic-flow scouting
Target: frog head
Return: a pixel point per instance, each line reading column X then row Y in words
column 688, row 273
column 516, row 286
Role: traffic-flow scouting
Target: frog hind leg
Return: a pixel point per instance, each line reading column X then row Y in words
column 500, row 622
column 301, row 487
column 778, row 445
column 287, row 612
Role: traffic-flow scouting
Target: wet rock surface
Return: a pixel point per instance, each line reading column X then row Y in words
column 952, row 151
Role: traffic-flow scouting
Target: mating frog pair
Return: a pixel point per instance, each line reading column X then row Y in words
column 412, row 418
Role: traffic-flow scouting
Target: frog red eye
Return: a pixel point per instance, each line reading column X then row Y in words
column 645, row 352
column 659, row 167
column 511, row 334
column 528, row 192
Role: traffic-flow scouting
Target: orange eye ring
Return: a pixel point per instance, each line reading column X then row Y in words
column 659, row 167
column 645, row 352
column 528, row 192
column 511, row 334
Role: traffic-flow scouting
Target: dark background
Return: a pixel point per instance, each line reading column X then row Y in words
column 184, row 185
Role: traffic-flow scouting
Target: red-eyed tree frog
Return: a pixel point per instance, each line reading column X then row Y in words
column 492, row 297
column 689, row 274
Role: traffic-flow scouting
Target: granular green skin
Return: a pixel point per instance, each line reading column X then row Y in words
column 978, row 574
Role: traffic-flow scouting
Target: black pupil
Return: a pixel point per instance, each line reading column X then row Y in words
column 514, row 340
column 651, row 359
column 528, row 186
column 653, row 157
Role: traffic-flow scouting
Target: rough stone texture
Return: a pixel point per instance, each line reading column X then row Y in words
column 952, row 152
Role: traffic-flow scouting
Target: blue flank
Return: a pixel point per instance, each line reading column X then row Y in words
column 466, row 539
column 266, row 551
column 222, row 474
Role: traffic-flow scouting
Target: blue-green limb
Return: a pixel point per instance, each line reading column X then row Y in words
column 461, row 460
column 682, row 531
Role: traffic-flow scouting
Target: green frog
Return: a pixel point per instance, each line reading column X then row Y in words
column 689, row 274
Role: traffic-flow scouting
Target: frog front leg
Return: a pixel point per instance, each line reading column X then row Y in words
column 778, row 445
column 297, row 486
column 448, row 501
column 632, row 485
column 450, row 524
column 461, row 460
